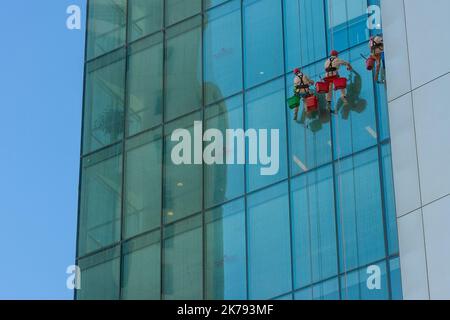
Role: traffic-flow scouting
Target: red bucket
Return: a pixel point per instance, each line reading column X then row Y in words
column 370, row 63
column 311, row 103
column 340, row 83
column 322, row 87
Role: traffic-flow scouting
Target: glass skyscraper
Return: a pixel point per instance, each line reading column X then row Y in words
column 149, row 229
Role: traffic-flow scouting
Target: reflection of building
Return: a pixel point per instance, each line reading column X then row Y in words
column 150, row 229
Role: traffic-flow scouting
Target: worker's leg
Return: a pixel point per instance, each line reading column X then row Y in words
column 377, row 72
column 330, row 93
column 344, row 95
column 296, row 114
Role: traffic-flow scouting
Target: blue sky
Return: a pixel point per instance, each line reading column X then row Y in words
column 41, row 79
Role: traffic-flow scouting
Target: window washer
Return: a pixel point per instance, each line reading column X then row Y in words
column 376, row 46
column 332, row 66
column 302, row 90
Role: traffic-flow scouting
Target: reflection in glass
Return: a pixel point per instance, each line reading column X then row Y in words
column 265, row 110
column 314, row 228
column 225, row 252
column 182, row 183
column 263, row 41
column 222, row 52
column 269, row 253
column 183, row 92
column 183, row 260
column 141, row 268
column 104, row 102
column 177, row 10
column 100, row 276
column 100, row 201
column 145, row 84
column 106, row 27
column 143, row 183
column 145, row 17
column 223, row 182
column 360, row 216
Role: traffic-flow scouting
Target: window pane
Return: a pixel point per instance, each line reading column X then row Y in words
column 106, row 28
column 141, row 269
column 100, row 203
column 310, row 146
column 396, row 279
column 269, row 243
column 182, row 183
column 360, row 216
column 225, row 252
column 328, row 290
column 314, row 227
column 100, row 276
column 305, row 39
column 223, row 182
column 104, row 102
column 143, row 183
column 265, row 110
column 263, row 41
column 183, row 68
column 145, row 84
column 357, row 285
column 355, row 126
column 145, row 17
column 304, row 294
column 389, row 199
column 222, row 52
column 183, row 260
column 177, row 10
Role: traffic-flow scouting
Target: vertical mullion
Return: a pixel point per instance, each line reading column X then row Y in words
column 286, row 116
column 163, row 155
column 124, row 135
column 243, row 99
column 80, row 172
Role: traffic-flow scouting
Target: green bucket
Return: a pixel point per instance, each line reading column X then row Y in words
column 293, row 102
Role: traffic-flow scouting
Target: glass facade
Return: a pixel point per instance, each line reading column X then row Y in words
column 150, row 229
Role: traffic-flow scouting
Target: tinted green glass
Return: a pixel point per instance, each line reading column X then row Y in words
column 396, row 279
column 225, row 252
column 145, row 84
column 310, row 147
column 360, row 216
column 182, row 183
column 263, row 41
column 100, row 276
column 143, row 183
column 100, row 202
column 269, row 253
column 183, row 90
column 305, row 36
column 328, row 290
column 104, row 102
column 106, row 27
column 363, row 284
column 144, row 17
column 223, row 182
column 264, row 107
column 183, row 260
column 222, row 52
column 177, row 10
column 314, row 227
column 141, row 268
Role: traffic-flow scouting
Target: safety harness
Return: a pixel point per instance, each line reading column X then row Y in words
column 375, row 45
column 331, row 69
column 302, row 84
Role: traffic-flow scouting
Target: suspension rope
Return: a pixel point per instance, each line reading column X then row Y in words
column 341, row 200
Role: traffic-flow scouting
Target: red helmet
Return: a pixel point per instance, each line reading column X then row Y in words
column 334, row 53
column 296, row 70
